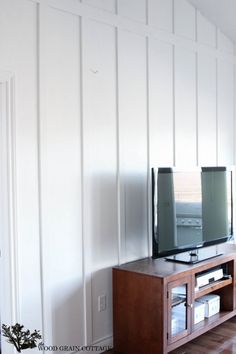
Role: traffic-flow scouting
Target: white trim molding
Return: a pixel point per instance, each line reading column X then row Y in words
column 127, row 24
column 8, row 241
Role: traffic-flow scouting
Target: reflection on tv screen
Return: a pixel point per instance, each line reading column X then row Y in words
column 193, row 207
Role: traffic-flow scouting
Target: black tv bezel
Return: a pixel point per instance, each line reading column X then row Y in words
column 154, row 205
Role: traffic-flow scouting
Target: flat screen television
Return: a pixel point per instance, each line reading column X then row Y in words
column 191, row 209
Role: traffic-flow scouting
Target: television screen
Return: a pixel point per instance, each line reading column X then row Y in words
column 190, row 209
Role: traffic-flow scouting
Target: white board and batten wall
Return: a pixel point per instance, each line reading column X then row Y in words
column 104, row 90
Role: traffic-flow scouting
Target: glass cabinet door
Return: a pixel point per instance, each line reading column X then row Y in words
column 179, row 309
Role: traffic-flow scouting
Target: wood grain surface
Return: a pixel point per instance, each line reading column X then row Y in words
column 221, row 339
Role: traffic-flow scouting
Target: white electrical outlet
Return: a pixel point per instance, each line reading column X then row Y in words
column 102, row 303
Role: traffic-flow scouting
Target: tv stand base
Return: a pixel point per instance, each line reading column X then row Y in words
column 193, row 257
column 152, row 298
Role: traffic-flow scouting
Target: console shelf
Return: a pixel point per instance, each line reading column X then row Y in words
column 218, row 318
column 212, row 287
column 154, row 300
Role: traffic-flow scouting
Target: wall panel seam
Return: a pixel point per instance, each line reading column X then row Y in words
column 148, row 151
column 147, row 12
column 197, row 115
column 84, row 268
column 39, row 134
column 173, row 104
column 12, row 194
column 234, row 114
column 217, row 96
column 217, row 113
column 196, row 88
column 173, row 17
column 118, row 180
column 9, row 238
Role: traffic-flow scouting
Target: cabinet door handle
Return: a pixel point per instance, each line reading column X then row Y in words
column 190, row 305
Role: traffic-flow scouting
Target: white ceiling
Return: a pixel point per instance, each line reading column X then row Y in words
column 221, row 12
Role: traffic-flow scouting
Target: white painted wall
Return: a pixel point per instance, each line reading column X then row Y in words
column 103, row 91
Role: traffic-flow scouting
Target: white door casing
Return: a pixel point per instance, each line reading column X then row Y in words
column 8, row 222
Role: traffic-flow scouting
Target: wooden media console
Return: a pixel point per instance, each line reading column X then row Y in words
column 154, row 300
